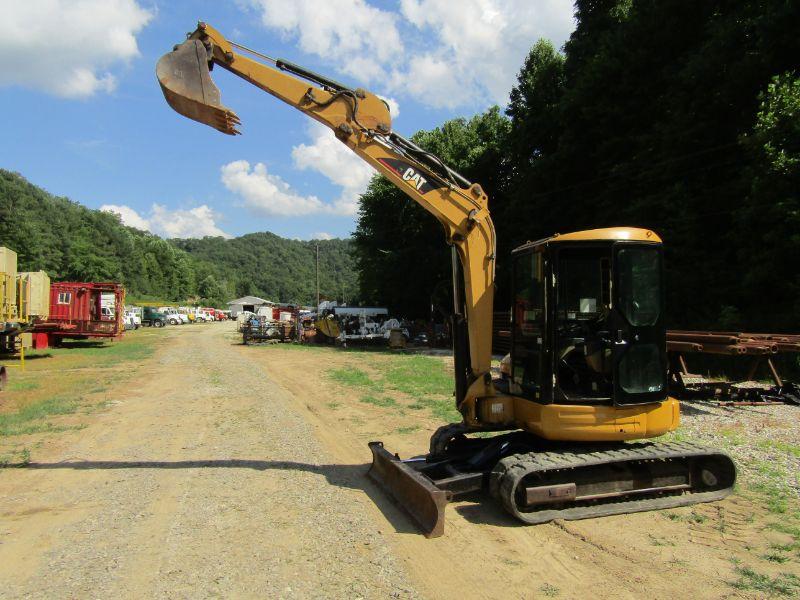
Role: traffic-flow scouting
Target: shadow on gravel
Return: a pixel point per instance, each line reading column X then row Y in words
column 345, row 476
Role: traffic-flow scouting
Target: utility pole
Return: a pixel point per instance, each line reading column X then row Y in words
column 317, row 276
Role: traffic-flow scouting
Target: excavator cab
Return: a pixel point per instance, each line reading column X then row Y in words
column 588, row 320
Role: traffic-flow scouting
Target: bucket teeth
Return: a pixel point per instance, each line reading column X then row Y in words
column 186, row 82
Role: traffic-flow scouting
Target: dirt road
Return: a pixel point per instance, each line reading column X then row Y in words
column 231, row 471
column 202, row 480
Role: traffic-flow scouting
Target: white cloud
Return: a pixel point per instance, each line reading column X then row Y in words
column 467, row 54
column 483, row 44
column 267, row 194
column 394, row 106
column 339, row 164
column 362, row 39
column 194, row 222
column 321, row 235
column 67, row 47
column 129, row 216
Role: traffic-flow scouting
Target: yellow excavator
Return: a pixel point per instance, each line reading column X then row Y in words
column 587, row 375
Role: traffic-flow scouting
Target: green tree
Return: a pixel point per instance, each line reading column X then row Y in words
column 400, row 256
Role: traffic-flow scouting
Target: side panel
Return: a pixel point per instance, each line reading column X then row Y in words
column 596, row 423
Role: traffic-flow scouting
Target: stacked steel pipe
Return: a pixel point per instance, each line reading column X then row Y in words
column 731, row 343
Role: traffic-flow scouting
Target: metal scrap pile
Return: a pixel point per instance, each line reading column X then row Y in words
column 760, row 346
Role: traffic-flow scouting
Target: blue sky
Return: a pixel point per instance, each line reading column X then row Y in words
column 83, row 115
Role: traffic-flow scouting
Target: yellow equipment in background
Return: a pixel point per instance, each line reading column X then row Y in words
column 24, row 297
column 328, row 327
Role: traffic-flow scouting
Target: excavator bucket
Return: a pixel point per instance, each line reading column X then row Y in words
column 186, row 82
column 414, row 492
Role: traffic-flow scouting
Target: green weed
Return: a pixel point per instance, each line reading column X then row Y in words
column 783, row 584
column 407, row 430
column 792, row 449
column 110, row 353
column 18, row 458
column 549, row 590
column 732, row 437
column 657, row 541
column 353, row 377
column 27, row 419
column 383, row 401
column 776, row 556
column 22, row 386
column 775, row 495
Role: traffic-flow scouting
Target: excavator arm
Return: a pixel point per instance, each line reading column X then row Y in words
column 360, row 120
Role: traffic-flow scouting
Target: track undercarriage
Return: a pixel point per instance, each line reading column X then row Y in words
column 539, row 481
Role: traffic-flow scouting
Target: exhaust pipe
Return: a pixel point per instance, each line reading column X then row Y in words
column 185, row 79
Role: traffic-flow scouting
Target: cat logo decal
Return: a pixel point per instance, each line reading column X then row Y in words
column 422, row 183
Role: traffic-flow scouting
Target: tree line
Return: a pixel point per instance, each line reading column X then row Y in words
column 683, row 118
column 74, row 243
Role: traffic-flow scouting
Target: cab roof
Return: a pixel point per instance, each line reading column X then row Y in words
column 621, row 234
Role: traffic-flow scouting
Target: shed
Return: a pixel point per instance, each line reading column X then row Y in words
column 247, row 303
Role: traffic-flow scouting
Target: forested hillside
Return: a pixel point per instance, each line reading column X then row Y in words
column 264, row 264
column 679, row 117
column 72, row 242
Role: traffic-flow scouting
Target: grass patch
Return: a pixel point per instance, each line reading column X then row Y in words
column 776, row 556
column 418, row 376
column 109, row 353
column 678, row 436
column 732, row 437
column 442, row 409
column 692, row 517
column 792, row 449
column 422, row 378
column 28, row 418
column 334, row 405
column 352, row 377
column 18, row 458
column 775, row 496
column 407, row 430
column 22, row 386
column 657, row 541
column 383, row 401
column 783, row 584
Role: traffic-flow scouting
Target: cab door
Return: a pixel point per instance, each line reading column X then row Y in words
column 638, row 334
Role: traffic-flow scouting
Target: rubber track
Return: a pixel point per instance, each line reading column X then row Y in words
column 508, row 473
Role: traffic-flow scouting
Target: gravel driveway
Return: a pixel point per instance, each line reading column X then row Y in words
column 184, row 490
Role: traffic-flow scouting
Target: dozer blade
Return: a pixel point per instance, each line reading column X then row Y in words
column 186, row 82
column 418, row 496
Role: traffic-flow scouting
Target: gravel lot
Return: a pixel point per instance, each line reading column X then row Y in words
column 200, row 482
column 763, row 440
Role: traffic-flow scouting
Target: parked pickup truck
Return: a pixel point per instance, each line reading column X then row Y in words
column 173, row 316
